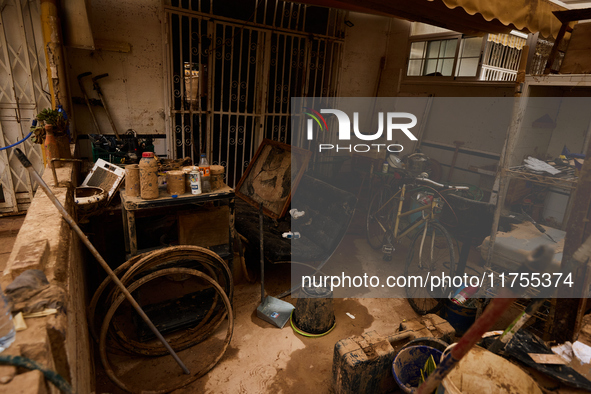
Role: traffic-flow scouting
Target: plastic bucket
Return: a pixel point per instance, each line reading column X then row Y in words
column 408, row 363
column 460, row 317
column 481, row 371
column 428, row 341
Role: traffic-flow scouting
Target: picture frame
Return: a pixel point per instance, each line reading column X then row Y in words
column 270, row 178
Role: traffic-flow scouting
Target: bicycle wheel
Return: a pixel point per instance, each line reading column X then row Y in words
column 379, row 215
column 437, row 257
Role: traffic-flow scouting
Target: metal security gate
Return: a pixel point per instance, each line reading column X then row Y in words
column 23, row 92
column 230, row 84
column 300, row 67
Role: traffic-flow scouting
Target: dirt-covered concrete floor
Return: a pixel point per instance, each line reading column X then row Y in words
column 262, row 358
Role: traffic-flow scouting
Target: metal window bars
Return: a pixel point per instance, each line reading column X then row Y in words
column 231, row 81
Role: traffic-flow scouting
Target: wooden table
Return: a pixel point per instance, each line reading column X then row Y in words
column 131, row 205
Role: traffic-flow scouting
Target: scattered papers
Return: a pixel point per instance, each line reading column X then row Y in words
column 582, row 352
column 568, row 351
column 533, row 164
column 565, row 351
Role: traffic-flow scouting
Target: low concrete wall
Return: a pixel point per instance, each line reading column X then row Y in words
column 61, row 341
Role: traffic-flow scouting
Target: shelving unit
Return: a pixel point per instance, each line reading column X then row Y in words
column 524, row 138
column 566, row 179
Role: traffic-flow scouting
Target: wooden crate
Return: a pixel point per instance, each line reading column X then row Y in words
column 206, row 226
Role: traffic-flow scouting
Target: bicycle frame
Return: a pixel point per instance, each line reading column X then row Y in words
column 401, row 214
column 392, row 231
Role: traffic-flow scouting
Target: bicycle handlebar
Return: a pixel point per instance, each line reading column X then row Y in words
column 441, row 185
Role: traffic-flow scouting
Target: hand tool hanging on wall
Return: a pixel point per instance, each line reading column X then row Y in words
column 27, row 164
column 87, row 100
column 96, row 86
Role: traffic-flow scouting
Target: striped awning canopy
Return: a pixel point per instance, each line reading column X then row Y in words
column 507, row 40
column 466, row 16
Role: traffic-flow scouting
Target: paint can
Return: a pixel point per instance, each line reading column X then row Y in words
column 132, row 180
column 195, row 180
column 217, row 177
column 175, row 182
column 148, row 176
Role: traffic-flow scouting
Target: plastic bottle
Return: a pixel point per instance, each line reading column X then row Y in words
column 205, row 170
column 148, row 177
column 7, row 332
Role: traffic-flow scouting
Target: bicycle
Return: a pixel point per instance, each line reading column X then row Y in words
column 431, row 250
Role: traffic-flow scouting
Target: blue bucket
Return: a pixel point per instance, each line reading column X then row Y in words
column 460, row 317
column 408, row 364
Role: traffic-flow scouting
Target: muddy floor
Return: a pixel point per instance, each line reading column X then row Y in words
column 262, row 358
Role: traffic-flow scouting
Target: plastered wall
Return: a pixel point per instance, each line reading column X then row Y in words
column 373, row 63
column 134, row 89
column 372, row 38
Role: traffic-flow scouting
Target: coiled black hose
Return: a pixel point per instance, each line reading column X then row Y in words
column 50, row 375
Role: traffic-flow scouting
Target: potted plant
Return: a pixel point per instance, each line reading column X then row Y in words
column 51, row 131
column 50, row 120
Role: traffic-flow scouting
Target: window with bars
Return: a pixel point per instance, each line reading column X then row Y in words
column 436, row 52
column 232, row 76
column 501, row 57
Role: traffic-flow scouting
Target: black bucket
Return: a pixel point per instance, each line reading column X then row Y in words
column 314, row 311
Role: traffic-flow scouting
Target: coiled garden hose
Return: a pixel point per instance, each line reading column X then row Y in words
column 27, row 363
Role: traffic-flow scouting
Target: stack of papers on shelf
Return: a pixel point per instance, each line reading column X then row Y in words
column 539, row 166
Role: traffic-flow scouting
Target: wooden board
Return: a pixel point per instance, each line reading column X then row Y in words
column 577, row 59
column 270, row 178
column 541, row 358
column 205, row 227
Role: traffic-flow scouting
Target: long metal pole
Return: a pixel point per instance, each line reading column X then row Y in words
column 27, row 164
column 538, row 261
column 262, row 254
